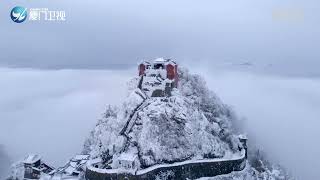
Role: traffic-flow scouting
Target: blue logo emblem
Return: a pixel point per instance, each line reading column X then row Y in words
column 18, row 14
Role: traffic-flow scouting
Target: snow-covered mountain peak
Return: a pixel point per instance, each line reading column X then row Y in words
column 189, row 123
column 170, row 126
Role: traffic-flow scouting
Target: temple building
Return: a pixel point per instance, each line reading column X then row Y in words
column 159, row 77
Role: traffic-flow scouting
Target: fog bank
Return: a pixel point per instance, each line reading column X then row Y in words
column 51, row 112
column 281, row 115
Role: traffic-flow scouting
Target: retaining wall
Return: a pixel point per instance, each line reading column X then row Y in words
column 192, row 170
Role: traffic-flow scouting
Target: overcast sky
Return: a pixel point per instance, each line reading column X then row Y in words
column 115, row 34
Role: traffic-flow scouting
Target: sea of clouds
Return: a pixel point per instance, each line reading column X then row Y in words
column 51, row 112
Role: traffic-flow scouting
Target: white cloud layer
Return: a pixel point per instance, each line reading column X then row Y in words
column 281, row 114
column 51, row 112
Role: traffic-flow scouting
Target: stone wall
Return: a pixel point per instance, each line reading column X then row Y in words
column 190, row 170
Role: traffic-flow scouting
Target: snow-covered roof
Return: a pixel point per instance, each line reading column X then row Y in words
column 242, row 136
column 31, row 158
column 144, row 62
column 159, row 60
column 171, row 62
column 80, row 157
column 164, row 61
column 70, row 170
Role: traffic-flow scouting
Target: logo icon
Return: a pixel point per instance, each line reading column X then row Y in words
column 18, row 14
